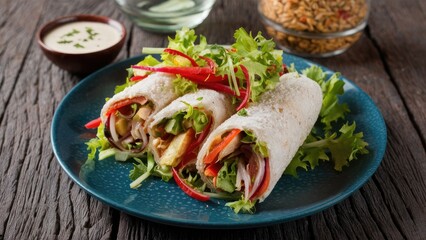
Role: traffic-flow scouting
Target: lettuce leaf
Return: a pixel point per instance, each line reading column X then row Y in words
column 242, row 205
column 97, row 144
column 182, row 86
column 329, row 139
column 181, row 120
column 262, row 60
column 258, row 146
column 227, row 176
column 140, row 167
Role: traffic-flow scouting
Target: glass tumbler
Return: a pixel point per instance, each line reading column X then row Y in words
column 166, row 15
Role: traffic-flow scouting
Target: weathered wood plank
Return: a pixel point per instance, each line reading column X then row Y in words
column 403, row 50
column 39, row 201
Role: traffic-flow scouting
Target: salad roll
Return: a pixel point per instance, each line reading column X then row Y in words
column 177, row 131
column 248, row 153
column 127, row 114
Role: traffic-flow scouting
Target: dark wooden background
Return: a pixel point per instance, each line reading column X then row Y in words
column 39, row 201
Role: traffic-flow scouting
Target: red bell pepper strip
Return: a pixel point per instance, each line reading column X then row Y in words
column 224, row 89
column 212, row 155
column 138, row 78
column 123, row 103
column 176, row 70
column 93, row 124
column 265, row 182
column 187, row 158
column 200, row 138
column 179, row 53
column 189, row 153
column 247, row 96
column 197, row 78
column 213, row 169
column 188, row 189
column 210, row 62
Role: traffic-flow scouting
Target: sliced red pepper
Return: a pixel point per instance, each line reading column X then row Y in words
column 176, row 70
column 198, row 78
column 200, row 138
column 187, row 158
column 247, row 96
column 93, row 124
column 179, row 53
column 265, row 182
column 224, row 89
column 210, row 62
column 138, row 78
column 123, row 103
column 213, row 169
column 188, row 189
column 189, row 153
column 212, row 155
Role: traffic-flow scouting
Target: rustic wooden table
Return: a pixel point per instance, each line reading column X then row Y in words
column 39, row 201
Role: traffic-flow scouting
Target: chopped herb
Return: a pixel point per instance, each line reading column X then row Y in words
column 200, row 98
column 72, row 33
column 64, row 42
column 91, row 33
column 78, row 45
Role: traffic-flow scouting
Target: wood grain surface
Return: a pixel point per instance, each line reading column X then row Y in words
column 39, row 201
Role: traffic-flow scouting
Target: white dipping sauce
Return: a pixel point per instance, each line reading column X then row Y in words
column 82, row 37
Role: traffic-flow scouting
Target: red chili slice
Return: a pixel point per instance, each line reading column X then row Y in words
column 212, row 155
column 179, row 53
column 210, row 62
column 247, row 96
column 93, row 124
column 125, row 102
column 190, row 154
column 198, row 78
column 177, row 70
column 138, row 78
column 188, row 189
column 224, row 89
column 213, row 169
column 200, row 138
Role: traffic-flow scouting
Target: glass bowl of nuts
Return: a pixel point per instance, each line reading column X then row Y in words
column 314, row 28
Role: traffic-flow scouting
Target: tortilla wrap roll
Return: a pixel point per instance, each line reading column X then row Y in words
column 178, row 130
column 254, row 148
column 127, row 114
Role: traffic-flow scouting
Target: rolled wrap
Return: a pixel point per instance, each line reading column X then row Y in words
column 282, row 119
column 151, row 95
column 214, row 104
column 157, row 88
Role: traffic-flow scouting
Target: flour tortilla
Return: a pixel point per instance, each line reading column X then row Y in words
column 157, row 88
column 282, row 119
column 215, row 104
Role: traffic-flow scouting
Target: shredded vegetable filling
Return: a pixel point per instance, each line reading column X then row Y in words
column 176, row 137
column 234, row 163
column 125, row 126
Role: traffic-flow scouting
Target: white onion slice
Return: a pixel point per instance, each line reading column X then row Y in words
column 238, row 180
column 114, row 134
column 144, row 137
column 135, row 129
column 246, row 178
column 260, row 172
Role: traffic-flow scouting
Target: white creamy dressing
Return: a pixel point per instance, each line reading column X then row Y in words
column 82, row 37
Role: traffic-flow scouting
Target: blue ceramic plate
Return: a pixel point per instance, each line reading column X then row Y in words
column 163, row 202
